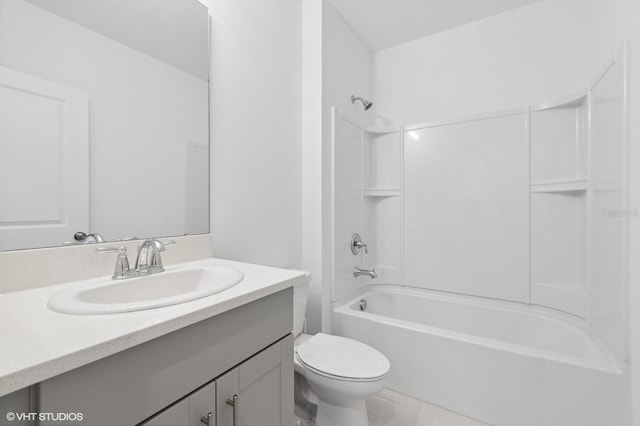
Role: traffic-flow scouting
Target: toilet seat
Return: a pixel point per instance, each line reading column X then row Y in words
column 341, row 358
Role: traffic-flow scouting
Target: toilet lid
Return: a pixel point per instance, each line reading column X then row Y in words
column 342, row 357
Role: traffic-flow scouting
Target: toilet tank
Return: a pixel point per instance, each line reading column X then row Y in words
column 300, row 293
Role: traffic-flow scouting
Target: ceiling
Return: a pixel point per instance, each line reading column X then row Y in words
column 160, row 29
column 386, row 23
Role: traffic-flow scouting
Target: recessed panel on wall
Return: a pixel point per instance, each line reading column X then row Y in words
column 558, row 250
column 44, row 155
column 30, row 157
column 382, row 223
column 557, row 148
column 466, row 207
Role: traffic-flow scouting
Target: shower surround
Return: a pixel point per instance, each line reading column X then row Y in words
column 500, row 264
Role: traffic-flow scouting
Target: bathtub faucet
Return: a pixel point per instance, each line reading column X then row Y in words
column 371, row 273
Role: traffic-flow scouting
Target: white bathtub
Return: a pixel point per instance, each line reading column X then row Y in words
column 501, row 362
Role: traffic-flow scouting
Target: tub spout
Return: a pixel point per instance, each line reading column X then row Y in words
column 371, row 273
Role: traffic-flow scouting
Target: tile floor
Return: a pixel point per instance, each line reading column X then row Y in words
column 390, row 408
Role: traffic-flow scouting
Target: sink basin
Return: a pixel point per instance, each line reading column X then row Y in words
column 107, row 296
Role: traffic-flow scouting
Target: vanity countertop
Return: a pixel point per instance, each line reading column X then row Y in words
column 39, row 343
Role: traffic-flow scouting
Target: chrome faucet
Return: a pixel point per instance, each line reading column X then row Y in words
column 149, row 260
column 371, row 273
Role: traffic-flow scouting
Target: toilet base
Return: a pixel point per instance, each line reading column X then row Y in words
column 351, row 413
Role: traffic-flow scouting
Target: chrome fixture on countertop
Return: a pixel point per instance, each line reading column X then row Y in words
column 122, row 270
column 148, row 260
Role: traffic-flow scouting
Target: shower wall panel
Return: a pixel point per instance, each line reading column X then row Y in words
column 347, row 190
column 466, row 207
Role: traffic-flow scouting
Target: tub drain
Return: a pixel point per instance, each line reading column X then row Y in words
column 363, row 305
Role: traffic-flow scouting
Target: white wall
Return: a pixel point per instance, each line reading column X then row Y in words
column 523, row 56
column 312, row 210
column 346, row 68
column 347, row 205
column 634, row 232
column 608, row 24
column 132, row 156
column 256, row 95
column 346, row 71
column 337, row 64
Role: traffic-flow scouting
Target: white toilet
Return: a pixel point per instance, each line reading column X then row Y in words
column 339, row 374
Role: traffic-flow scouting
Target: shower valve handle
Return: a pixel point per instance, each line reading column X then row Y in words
column 357, row 244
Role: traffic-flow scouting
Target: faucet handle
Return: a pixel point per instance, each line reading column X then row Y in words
column 156, row 260
column 102, row 250
column 129, row 238
column 156, row 243
column 357, row 244
column 122, row 262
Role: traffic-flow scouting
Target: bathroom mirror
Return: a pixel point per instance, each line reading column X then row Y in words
column 104, row 120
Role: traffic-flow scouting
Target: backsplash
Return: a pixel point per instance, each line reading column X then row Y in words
column 25, row 269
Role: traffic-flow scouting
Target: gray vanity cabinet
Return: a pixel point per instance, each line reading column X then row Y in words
column 173, row 379
column 189, row 411
column 15, row 403
column 257, row 392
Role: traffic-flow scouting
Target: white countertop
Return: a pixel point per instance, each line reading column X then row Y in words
column 38, row 343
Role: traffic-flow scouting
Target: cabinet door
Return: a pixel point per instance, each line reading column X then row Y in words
column 176, row 415
column 13, row 405
column 194, row 410
column 263, row 389
column 202, row 406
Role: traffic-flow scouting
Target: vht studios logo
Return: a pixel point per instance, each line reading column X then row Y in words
column 51, row 417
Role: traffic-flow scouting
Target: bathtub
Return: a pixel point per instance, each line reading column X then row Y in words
column 504, row 363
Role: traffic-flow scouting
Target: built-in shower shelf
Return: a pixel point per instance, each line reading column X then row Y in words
column 560, row 186
column 572, row 101
column 382, row 192
column 381, row 130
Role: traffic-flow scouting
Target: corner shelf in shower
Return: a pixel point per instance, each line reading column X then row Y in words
column 571, row 101
column 573, row 185
column 381, row 130
column 559, row 184
column 381, row 192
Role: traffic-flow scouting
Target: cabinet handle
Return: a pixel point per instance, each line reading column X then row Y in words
column 207, row 420
column 234, row 403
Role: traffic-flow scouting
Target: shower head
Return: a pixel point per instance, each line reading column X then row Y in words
column 365, row 102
